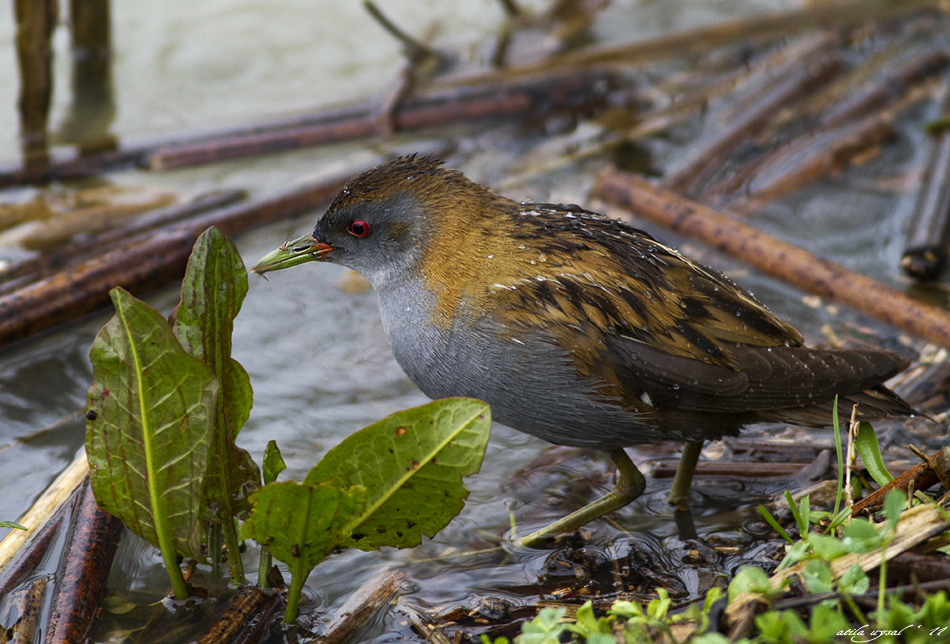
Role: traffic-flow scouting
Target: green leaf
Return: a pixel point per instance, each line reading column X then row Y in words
column 587, row 625
column 826, row 547
column 545, row 628
column 626, row 609
column 800, row 521
column 212, row 292
column 839, row 452
column 860, row 535
column 299, row 523
column 794, row 553
column 817, row 577
column 854, row 581
column 149, row 413
column 273, row 462
column 773, row 523
column 894, row 504
column 11, row 524
column 781, row 626
column 658, row 608
column 825, row 622
column 411, row 464
column 749, row 579
column 867, row 447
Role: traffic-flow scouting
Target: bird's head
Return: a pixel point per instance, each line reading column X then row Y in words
column 384, row 220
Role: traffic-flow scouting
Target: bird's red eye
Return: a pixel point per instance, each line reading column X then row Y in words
column 358, row 228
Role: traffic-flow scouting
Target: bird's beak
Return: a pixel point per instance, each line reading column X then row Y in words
column 298, row 251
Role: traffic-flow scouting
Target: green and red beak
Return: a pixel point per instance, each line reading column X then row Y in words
column 291, row 253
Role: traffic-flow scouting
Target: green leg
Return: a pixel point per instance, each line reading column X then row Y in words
column 630, row 484
column 684, row 473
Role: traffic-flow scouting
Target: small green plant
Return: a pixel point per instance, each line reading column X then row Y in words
column 164, row 411
column 835, row 615
column 385, row 485
column 625, row 622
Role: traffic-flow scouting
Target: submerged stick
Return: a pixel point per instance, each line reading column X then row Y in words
column 461, row 104
column 30, row 556
column 30, row 605
column 36, row 20
column 268, row 618
column 889, row 87
column 462, row 101
column 804, row 160
column 929, row 234
column 795, row 81
column 44, row 264
column 246, row 605
column 373, row 596
column 58, row 493
column 779, row 24
column 734, row 469
column 774, row 256
column 426, row 625
column 87, row 560
column 816, row 153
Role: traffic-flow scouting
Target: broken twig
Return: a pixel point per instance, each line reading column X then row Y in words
column 920, row 477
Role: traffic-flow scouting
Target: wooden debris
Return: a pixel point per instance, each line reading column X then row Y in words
column 792, row 81
column 802, row 161
column 460, row 104
column 914, row 566
column 461, row 101
column 665, row 469
column 777, row 24
column 922, row 476
column 85, row 247
column 426, row 625
column 375, row 595
column 30, row 555
column 811, row 156
column 88, row 211
column 87, row 560
column 247, row 605
column 772, row 255
column 890, row 87
column 35, row 20
column 929, row 235
column 58, row 493
column 263, row 623
column 29, row 606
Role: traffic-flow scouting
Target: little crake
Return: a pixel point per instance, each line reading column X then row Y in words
column 576, row 328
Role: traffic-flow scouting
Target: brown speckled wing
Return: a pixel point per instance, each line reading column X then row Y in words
column 598, row 277
column 658, row 331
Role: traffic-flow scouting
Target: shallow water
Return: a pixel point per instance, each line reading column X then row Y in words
column 317, row 356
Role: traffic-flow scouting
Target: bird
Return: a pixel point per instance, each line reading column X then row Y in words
column 575, row 327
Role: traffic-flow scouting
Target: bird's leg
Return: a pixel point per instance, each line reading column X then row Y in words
column 684, row 473
column 630, row 484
